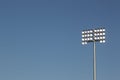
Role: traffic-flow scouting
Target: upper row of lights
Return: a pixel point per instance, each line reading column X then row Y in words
column 83, row 32
column 99, row 30
column 91, row 31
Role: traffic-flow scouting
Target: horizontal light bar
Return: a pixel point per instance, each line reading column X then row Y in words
column 87, row 31
column 99, row 38
column 83, row 43
column 87, row 39
column 102, row 41
column 99, row 30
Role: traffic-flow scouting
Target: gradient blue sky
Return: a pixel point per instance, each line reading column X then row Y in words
column 41, row 39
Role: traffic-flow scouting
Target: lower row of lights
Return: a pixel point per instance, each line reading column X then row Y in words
column 86, row 39
column 101, row 41
column 97, row 30
column 99, row 37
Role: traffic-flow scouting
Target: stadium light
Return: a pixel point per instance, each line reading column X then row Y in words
column 93, row 35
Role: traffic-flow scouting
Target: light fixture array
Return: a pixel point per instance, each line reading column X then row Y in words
column 92, row 35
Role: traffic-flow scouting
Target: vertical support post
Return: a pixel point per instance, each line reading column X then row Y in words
column 94, row 62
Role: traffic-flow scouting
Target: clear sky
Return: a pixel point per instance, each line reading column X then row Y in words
column 41, row 39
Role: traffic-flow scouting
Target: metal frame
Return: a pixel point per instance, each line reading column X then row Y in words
column 93, row 35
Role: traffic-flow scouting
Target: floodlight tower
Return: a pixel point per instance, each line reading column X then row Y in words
column 93, row 35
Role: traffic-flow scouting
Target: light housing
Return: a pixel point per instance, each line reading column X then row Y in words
column 91, row 35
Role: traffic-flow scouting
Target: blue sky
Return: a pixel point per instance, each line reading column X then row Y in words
column 41, row 39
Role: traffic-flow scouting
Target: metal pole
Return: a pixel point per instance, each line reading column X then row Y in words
column 94, row 62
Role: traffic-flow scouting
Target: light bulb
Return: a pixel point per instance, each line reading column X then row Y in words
column 103, row 37
column 88, row 35
column 82, row 32
column 91, row 31
column 88, row 39
column 103, row 33
column 82, row 39
column 103, row 29
column 101, row 41
column 97, row 30
column 91, row 35
column 83, row 43
column 91, row 39
column 94, row 30
column 95, row 34
column 100, row 33
column 95, row 38
column 98, row 38
column 83, row 35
